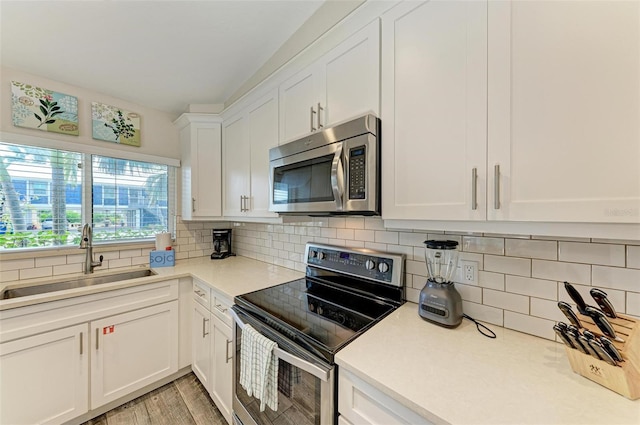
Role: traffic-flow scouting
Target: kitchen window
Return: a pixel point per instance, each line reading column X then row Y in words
column 46, row 195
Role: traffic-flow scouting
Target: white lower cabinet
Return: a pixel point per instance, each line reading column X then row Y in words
column 62, row 359
column 133, row 350
column 222, row 362
column 359, row 403
column 43, row 378
column 212, row 346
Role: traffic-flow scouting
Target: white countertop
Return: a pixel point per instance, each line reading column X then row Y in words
column 231, row 276
column 459, row 376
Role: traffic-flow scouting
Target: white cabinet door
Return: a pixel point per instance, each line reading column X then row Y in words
column 200, row 137
column 299, row 96
column 434, row 68
column 564, row 111
column 132, row 350
column 262, row 129
column 45, row 378
column 222, row 382
column 201, row 345
column 351, row 77
column 236, row 153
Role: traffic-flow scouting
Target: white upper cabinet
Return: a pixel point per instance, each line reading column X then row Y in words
column 342, row 84
column 200, row 138
column 434, row 137
column 247, row 138
column 564, row 111
column 518, row 111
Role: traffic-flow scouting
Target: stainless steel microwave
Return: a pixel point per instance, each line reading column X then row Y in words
column 334, row 171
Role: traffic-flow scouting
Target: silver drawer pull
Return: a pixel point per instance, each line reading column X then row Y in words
column 496, row 187
column 97, row 338
column 474, row 189
column 220, row 309
column 227, row 351
column 199, row 293
column 311, row 116
column 81, row 342
column 204, row 324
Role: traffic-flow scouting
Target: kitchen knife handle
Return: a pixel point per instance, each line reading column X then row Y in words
column 585, row 343
column 566, row 309
column 602, row 323
column 600, row 297
column 602, row 353
column 474, row 188
column 576, row 297
column 572, row 334
column 611, row 349
column 563, row 337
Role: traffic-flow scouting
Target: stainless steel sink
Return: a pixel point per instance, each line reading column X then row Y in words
column 10, row 292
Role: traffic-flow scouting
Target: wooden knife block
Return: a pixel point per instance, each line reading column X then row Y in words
column 624, row 378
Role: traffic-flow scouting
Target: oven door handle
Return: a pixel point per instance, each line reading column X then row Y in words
column 315, row 370
column 337, row 178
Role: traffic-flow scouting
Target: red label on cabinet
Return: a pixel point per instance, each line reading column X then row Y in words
column 107, row 330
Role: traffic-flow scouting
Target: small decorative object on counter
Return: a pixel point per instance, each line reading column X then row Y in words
column 164, row 258
column 604, row 346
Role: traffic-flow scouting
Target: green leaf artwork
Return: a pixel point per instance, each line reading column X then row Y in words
column 116, row 125
column 43, row 109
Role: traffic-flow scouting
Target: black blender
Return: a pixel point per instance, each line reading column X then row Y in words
column 440, row 301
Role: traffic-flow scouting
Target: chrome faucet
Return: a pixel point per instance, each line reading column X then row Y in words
column 86, row 242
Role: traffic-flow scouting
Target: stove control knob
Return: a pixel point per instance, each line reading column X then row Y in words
column 313, row 254
column 321, row 255
column 370, row 264
column 383, row 267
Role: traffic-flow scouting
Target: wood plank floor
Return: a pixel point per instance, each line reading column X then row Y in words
column 182, row 402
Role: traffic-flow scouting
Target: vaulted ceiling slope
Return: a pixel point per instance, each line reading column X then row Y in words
column 160, row 54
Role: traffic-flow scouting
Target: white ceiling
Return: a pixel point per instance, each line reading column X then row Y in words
column 160, row 54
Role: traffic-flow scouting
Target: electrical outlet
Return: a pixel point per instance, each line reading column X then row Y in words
column 467, row 272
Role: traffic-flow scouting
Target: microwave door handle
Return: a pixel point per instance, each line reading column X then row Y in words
column 316, row 371
column 337, row 178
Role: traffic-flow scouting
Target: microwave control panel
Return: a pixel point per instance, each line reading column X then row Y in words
column 357, row 172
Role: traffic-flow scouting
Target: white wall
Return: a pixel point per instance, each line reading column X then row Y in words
column 158, row 135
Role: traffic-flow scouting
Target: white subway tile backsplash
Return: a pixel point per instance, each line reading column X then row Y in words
column 34, row 273
column 386, row 237
column 9, row 275
column 470, row 293
column 533, row 287
column 416, row 267
column 633, row 257
column 337, row 222
column 592, row 253
column 412, row 239
column 633, row 304
column 354, row 223
column 365, row 235
column 17, row 264
column 547, row 309
column 529, row 324
column 616, row 278
column 484, row 313
column 507, row 265
column 483, row 245
column 375, row 246
column 545, row 250
column 505, row 300
column 554, row 270
column 122, row 262
column 51, row 261
column 373, row 223
column 345, row 234
column 67, row 269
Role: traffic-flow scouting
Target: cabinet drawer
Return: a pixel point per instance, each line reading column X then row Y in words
column 220, row 308
column 202, row 293
column 361, row 403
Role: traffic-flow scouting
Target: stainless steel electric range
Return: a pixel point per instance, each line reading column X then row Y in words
column 345, row 291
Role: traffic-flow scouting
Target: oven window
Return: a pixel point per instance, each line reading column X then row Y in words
column 299, row 395
column 302, row 182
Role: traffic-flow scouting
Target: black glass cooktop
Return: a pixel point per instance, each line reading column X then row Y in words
column 314, row 314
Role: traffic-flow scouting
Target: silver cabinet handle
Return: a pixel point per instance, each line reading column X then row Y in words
column 97, row 338
column 220, row 309
column 204, row 325
column 474, row 189
column 319, row 120
column 81, row 343
column 193, row 204
column 227, row 352
column 496, row 187
column 311, row 117
column 337, row 178
column 199, row 293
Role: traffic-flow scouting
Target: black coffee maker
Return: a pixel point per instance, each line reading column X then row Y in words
column 221, row 244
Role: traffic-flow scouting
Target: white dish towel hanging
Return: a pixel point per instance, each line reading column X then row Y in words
column 259, row 368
